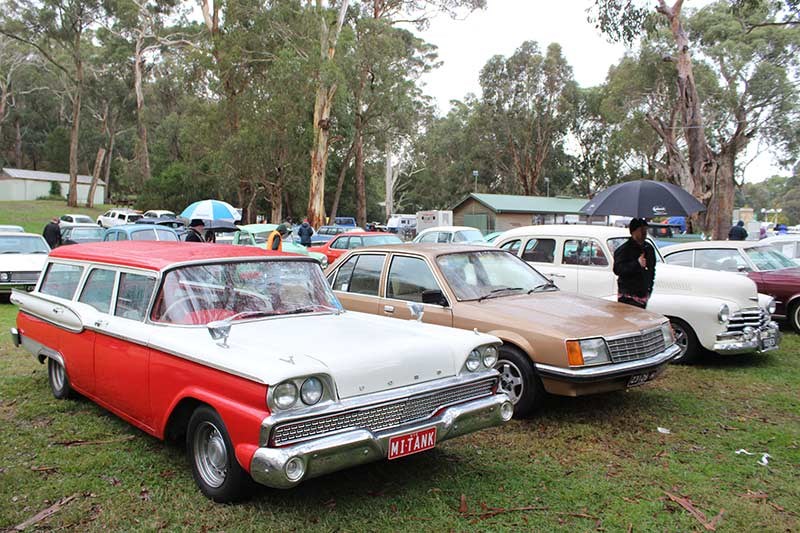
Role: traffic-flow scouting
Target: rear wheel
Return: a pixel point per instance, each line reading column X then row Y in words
column 59, row 381
column 686, row 340
column 519, row 381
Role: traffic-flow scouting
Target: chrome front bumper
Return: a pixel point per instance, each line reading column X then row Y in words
column 336, row 452
column 608, row 371
column 755, row 341
column 7, row 287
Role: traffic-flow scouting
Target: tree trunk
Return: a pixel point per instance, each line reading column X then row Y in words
column 141, row 127
column 72, row 199
column 389, row 182
column 319, row 156
column 98, row 166
column 276, row 202
column 18, row 143
column 340, row 181
column 361, row 185
column 112, row 135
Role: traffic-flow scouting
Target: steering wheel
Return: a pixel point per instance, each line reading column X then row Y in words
column 167, row 314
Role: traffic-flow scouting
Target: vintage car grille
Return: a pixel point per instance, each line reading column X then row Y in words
column 381, row 416
column 635, row 347
column 755, row 317
column 24, row 276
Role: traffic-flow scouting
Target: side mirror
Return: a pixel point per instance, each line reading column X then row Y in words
column 435, row 297
column 220, row 330
column 742, row 268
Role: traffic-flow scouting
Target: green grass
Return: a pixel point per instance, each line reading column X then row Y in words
column 33, row 215
column 583, row 463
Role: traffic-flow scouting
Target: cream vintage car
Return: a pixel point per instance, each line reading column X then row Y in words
column 720, row 312
column 249, row 355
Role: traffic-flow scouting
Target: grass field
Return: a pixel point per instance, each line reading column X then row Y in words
column 34, row 215
column 582, row 464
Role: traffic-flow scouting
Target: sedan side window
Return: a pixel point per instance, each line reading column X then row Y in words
column 133, row 295
column 355, row 242
column 164, row 235
column 98, row 289
column 680, row 258
column 146, row 235
column 539, row 251
column 429, row 237
column 61, row 280
column 408, row 277
column 340, row 243
column 344, row 274
column 511, row 246
column 443, row 237
column 366, row 276
column 584, row 252
column 725, row 260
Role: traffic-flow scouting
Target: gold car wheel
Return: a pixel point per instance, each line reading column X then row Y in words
column 511, row 380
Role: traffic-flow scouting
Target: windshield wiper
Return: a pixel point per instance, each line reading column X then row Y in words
column 39, row 252
column 494, row 292
column 10, row 252
column 548, row 285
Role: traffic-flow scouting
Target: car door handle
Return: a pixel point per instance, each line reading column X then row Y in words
column 388, row 309
column 100, row 323
column 56, row 310
column 553, row 274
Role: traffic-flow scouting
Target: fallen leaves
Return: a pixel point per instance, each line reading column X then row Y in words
column 686, row 503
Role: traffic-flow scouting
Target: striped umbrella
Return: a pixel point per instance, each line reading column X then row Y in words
column 211, row 210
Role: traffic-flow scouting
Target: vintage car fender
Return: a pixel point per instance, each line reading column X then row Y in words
column 700, row 312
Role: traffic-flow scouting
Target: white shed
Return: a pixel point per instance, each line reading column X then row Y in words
column 18, row 184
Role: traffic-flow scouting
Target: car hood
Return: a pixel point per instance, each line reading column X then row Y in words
column 564, row 315
column 273, row 350
column 22, row 262
column 784, row 275
column 737, row 289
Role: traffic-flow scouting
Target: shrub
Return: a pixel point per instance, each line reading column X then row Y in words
column 55, row 189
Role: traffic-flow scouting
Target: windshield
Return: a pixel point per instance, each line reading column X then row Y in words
column 468, row 235
column 478, row 275
column 12, row 244
column 769, row 258
column 199, row 294
column 82, row 219
column 82, row 234
column 379, row 240
column 616, row 242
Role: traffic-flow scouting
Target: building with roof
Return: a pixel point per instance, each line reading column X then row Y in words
column 501, row 212
column 18, row 184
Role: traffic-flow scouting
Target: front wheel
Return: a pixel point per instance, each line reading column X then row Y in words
column 519, row 381
column 686, row 339
column 214, row 466
column 58, row 379
column 794, row 317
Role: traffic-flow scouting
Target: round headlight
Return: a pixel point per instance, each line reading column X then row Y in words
column 473, row 360
column 489, row 356
column 772, row 306
column 3, row 276
column 724, row 313
column 311, row 391
column 285, row 395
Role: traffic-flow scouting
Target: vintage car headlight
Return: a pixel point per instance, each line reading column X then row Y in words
column 668, row 334
column 473, row 360
column 4, row 276
column 489, row 356
column 587, row 352
column 724, row 313
column 285, row 395
column 311, row 391
column 772, row 306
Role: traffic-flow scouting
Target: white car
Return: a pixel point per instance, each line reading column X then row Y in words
column 22, row 257
column 117, row 217
column 71, row 219
column 789, row 245
column 451, row 234
column 721, row 312
column 10, row 228
column 158, row 213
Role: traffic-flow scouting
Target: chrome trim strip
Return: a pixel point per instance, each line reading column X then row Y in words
column 607, row 371
column 40, row 351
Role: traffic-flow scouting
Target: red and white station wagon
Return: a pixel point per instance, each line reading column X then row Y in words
column 250, row 356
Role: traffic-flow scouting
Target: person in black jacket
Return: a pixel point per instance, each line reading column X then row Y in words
column 52, row 233
column 195, row 233
column 737, row 232
column 305, row 232
column 635, row 266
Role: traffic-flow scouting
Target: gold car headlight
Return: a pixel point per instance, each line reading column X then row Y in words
column 668, row 334
column 587, row 352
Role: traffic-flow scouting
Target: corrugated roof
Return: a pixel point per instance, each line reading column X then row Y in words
column 40, row 175
column 510, row 203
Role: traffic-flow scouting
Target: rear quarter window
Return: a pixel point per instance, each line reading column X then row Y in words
column 61, row 280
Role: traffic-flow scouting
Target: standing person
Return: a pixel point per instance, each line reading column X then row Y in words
column 276, row 237
column 635, row 266
column 305, row 232
column 737, row 232
column 195, row 233
column 52, row 233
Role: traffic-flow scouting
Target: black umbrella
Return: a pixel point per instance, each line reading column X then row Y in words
column 220, row 226
column 643, row 199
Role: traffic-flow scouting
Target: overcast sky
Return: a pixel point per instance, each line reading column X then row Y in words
column 465, row 46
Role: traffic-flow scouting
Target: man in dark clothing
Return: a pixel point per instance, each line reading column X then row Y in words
column 635, row 266
column 52, row 233
column 305, row 232
column 737, row 232
column 195, row 233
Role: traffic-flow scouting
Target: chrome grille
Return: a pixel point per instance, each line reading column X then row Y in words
column 635, row 347
column 24, row 276
column 381, row 416
column 755, row 317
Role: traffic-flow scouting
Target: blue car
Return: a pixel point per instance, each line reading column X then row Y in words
column 141, row 232
column 326, row 233
column 349, row 222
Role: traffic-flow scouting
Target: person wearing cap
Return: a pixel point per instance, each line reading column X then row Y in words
column 276, row 237
column 195, row 233
column 737, row 232
column 52, row 233
column 635, row 266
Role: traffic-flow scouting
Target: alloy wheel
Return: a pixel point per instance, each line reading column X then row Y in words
column 511, row 380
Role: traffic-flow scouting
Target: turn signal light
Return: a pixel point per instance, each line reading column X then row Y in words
column 574, row 353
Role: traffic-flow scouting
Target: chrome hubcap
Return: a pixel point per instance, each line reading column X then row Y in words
column 57, row 374
column 210, row 454
column 681, row 339
column 510, row 379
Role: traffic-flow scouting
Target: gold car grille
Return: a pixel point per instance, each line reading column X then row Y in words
column 754, row 317
column 635, row 347
column 381, row 416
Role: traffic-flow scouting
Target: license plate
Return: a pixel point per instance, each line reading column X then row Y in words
column 768, row 343
column 411, row 443
column 640, row 379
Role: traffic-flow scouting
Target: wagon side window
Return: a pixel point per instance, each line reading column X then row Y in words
column 61, row 280
column 133, row 295
column 98, row 289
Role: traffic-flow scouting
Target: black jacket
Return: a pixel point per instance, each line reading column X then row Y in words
column 305, row 232
column 737, row 233
column 632, row 278
column 193, row 236
column 52, row 234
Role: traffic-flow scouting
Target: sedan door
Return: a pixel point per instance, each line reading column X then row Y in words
column 406, row 279
column 544, row 254
column 357, row 282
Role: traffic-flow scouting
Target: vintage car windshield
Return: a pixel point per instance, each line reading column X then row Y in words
column 479, row 275
column 199, row 294
column 78, row 234
column 22, row 244
column 769, row 258
column 616, row 242
column 468, row 235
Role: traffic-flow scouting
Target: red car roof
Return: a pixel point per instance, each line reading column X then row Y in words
column 155, row 255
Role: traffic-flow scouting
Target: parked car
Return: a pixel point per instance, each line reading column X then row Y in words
column 178, row 225
column 326, row 233
column 789, row 245
column 82, row 233
column 22, row 257
column 348, row 222
column 159, row 213
column 10, row 228
column 256, row 235
column 336, row 247
column 117, row 217
column 71, row 219
column 774, row 273
column 451, row 235
column 722, row 313
column 141, row 232
column 562, row 343
column 212, row 342
column 492, row 237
